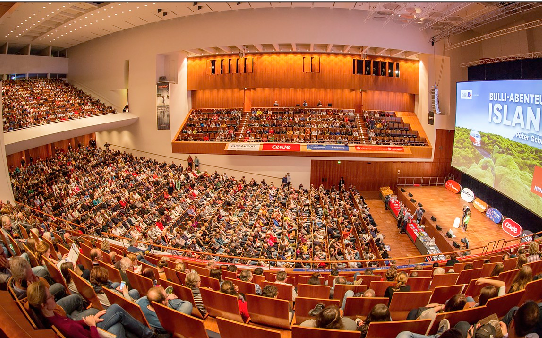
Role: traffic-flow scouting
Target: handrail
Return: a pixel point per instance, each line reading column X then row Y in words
column 184, row 160
column 201, row 253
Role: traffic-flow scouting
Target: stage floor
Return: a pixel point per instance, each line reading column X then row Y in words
column 446, row 206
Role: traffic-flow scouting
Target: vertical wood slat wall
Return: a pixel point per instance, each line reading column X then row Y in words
column 371, row 175
column 280, row 70
column 45, row 151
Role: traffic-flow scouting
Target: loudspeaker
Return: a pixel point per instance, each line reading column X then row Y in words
column 450, row 234
column 439, row 228
column 433, row 218
column 403, row 190
column 412, row 200
column 457, row 246
column 410, row 194
column 420, row 205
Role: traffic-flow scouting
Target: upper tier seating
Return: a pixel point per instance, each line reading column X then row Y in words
column 211, row 125
column 29, row 103
column 386, row 128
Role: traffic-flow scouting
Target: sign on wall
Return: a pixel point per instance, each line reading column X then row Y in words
column 162, row 105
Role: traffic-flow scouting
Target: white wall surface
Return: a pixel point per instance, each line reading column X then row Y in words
column 22, row 64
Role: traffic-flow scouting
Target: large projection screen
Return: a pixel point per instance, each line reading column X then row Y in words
column 498, row 139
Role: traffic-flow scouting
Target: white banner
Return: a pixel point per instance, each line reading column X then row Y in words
column 243, row 146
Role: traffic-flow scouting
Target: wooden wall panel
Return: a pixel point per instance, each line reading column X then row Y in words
column 218, row 98
column 391, row 101
column 371, row 175
column 285, row 70
column 290, row 97
column 47, row 150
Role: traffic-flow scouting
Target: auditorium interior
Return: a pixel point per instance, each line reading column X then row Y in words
column 275, row 169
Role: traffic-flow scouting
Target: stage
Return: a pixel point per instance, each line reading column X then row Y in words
column 446, row 206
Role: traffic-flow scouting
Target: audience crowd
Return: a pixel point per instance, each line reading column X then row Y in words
column 109, row 193
column 28, row 103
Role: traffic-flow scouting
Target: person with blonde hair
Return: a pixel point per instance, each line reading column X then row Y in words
column 401, row 286
column 22, row 276
column 534, row 252
column 193, row 281
column 114, row 320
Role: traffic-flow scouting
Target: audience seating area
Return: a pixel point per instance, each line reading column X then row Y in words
column 211, row 125
column 29, row 103
column 214, row 214
column 270, row 317
column 298, row 125
column 385, row 127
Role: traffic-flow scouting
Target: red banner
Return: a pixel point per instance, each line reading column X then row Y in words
column 453, row 186
column 511, row 227
column 380, row 148
column 281, row 146
column 536, row 185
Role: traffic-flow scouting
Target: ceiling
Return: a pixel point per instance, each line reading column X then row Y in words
column 66, row 24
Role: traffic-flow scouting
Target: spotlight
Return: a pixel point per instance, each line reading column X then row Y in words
column 164, row 14
column 200, row 7
column 159, row 10
column 195, row 4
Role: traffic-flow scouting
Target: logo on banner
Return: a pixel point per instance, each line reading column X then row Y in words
column 511, row 227
column 281, row 146
column 332, row 147
column 494, row 215
column 243, row 146
column 467, row 195
column 379, row 148
column 480, row 205
column 453, row 186
column 466, row 94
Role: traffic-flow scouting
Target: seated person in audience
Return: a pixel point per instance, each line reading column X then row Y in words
column 271, row 291
column 246, row 276
column 64, row 270
column 350, row 293
column 452, row 260
column 95, row 256
column 114, row 320
column 456, row 303
column 193, row 281
column 158, row 294
column 522, row 277
column 179, row 266
column 330, row 318
column 499, row 267
column 229, row 288
column 444, row 331
column 281, row 279
column 23, row 276
column 217, row 274
column 379, row 313
column 534, row 252
column 401, row 285
column 524, row 321
column 162, row 263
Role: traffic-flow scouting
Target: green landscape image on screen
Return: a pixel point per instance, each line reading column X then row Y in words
column 501, row 163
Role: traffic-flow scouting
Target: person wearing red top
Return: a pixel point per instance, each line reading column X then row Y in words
column 115, row 320
column 229, row 288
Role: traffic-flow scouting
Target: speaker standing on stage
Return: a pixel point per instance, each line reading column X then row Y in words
column 466, row 217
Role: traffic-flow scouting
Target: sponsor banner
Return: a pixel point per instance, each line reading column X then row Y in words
column 467, row 195
column 511, row 227
column 282, row 146
column 536, row 185
column 330, row 147
column 380, row 148
column 494, row 215
column 243, row 146
column 453, row 186
column 480, row 205
column 466, row 94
